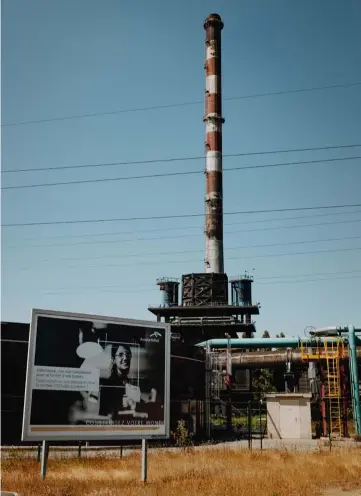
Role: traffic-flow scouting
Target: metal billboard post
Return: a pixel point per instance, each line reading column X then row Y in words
column 144, row 460
column 44, row 459
column 249, row 419
column 38, row 458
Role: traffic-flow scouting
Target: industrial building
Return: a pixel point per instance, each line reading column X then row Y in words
column 211, row 317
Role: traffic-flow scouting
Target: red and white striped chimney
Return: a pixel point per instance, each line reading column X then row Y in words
column 214, row 259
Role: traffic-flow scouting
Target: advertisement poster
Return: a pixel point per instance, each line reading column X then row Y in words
column 91, row 377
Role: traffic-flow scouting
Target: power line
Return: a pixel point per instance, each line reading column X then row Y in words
column 173, row 174
column 168, row 262
column 100, row 289
column 178, row 159
column 155, row 288
column 296, row 253
column 147, row 290
column 179, row 216
column 183, row 104
column 71, row 236
column 239, row 247
column 312, row 274
column 159, row 238
column 312, row 280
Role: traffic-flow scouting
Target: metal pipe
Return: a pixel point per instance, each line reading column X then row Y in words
column 267, row 342
column 252, row 343
column 354, row 379
column 214, row 258
column 265, row 359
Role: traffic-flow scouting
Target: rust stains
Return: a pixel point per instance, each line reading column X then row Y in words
column 214, row 141
column 214, row 182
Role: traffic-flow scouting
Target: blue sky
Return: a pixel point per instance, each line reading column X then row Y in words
column 71, row 58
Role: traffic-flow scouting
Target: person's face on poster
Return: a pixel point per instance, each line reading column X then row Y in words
column 122, row 359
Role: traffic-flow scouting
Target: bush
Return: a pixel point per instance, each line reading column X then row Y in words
column 181, row 436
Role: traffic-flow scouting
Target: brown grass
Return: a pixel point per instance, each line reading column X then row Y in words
column 211, row 472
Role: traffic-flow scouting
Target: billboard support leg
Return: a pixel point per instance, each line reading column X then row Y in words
column 44, row 459
column 144, row 460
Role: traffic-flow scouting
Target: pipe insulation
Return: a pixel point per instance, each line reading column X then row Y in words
column 267, row 359
column 268, row 342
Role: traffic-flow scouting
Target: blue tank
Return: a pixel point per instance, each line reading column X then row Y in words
column 242, row 292
column 170, row 292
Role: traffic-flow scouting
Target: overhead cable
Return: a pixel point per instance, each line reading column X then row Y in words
column 169, row 262
column 201, row 228
column 182, row 104
column 155, row 288
column 173, row 174
column 179, row 159
column 177, row 216
column 180, row 236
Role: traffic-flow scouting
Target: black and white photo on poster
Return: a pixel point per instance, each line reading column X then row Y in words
column 97, row 373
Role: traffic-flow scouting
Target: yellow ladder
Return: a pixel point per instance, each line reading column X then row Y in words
column 333, row 352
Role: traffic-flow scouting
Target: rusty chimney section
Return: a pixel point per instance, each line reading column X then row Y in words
column 214, row 259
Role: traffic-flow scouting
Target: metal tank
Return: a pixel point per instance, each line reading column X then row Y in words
column 170, row 291
column 241, row 290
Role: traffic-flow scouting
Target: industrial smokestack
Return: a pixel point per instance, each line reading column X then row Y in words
column 214, row 259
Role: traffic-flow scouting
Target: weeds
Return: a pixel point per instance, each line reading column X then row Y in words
column 181, row 436
column 197, row 472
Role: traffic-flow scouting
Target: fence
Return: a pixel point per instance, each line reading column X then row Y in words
column 240, row 420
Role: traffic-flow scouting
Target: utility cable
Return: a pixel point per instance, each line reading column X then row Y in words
column 169, row 262
column 239, row 247
column 148, row 290
column 183, row 104
column 180, row 159
column 174, row 174
column 112, row 233
column 155, row 288
column 310, row 274
column 179, row 216
column 181, row 236
column 313, row 280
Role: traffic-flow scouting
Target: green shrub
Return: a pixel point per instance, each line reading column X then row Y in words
column 181, row 436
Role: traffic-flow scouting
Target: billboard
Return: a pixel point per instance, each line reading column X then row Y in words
column 92, row 377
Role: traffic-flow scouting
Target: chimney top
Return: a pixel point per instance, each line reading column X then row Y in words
column 213, row 19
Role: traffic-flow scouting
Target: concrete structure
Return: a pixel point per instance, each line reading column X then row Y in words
column 214, row 259
column 289, row 416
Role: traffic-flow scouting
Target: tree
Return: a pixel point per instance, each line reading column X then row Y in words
column 263, row 379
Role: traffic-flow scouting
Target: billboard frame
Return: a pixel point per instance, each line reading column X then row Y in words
column 84, row 436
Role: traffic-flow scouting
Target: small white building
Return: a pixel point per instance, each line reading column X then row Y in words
column 289, row 416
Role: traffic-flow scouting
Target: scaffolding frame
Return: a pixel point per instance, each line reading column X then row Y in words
column 331, row 352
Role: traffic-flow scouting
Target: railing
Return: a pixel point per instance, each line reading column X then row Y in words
column 167, row 279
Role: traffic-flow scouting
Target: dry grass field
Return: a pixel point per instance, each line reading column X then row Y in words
column 197, row 473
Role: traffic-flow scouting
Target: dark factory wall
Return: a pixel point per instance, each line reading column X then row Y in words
column 14, row 350
column 187, row 378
